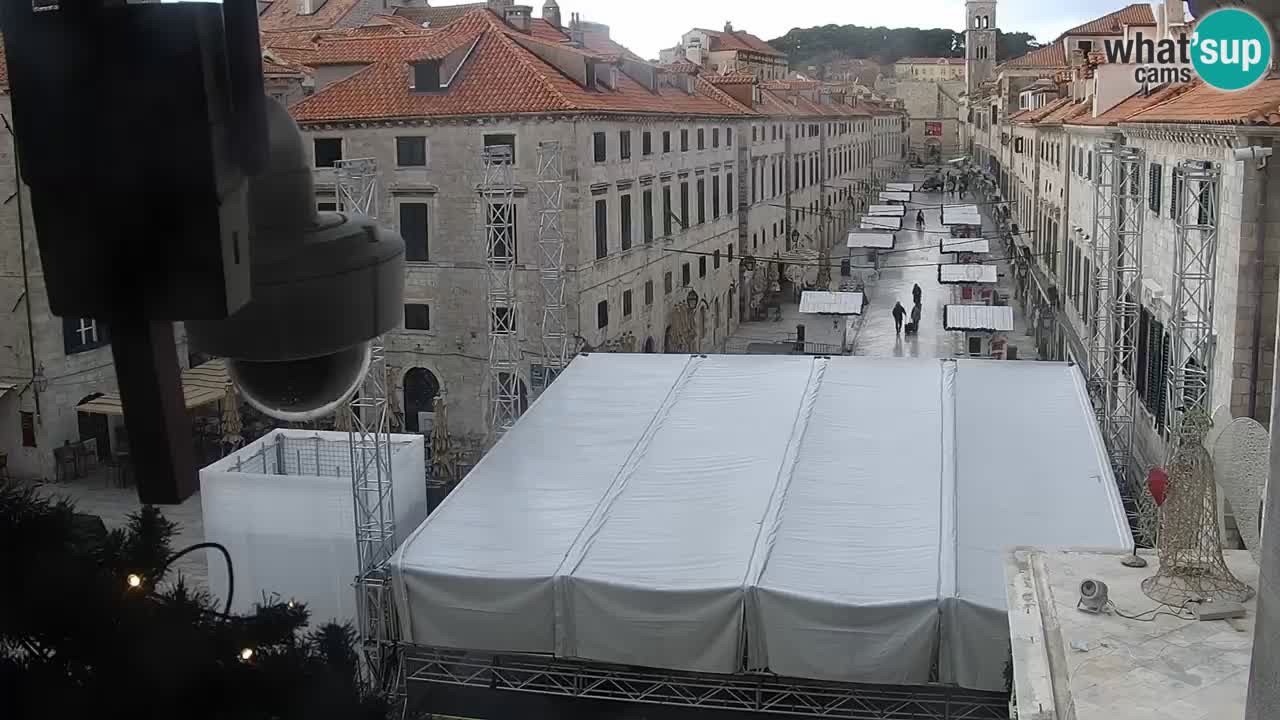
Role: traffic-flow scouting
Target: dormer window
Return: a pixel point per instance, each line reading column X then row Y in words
column 426, row 76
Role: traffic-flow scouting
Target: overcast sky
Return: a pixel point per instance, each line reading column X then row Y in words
column 649, row 25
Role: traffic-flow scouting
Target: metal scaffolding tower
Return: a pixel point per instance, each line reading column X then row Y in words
column 555, row 332
column 498, row 195
column 1196, row 185
column 1125, row 276
column 357, row 186
column 373, row 505
column 375, row 524
column 1100, row 344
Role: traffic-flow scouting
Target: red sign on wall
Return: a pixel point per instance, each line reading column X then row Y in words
column 933, row 129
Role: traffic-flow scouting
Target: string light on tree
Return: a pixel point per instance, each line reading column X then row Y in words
column 134, row 580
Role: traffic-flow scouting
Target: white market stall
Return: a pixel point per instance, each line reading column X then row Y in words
column 887, row 210
column 985, row 327
column 966, row 250
column 900, row 186
column 971, row 282
column 894, row 196
column 839, row 324
column 282, row 508
column 883, row 222
column 874, row 239
column 833, row 519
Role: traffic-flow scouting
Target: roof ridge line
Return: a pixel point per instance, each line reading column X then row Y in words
column 367, row 67
column 520, row 52
column 1188, row 87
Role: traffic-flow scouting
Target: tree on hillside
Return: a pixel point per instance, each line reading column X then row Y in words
column 90, row 627
column 824, row 44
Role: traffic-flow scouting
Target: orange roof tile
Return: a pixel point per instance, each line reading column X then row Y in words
column 1065, row 112
column 1133, row 105
column 1113, row 23
column 284, row 15
column 739, row 40
column 436, row 17
column 1201, row 104
column 738, row 78
column 1036, row 115
column 1049, row 56
column 500, row 77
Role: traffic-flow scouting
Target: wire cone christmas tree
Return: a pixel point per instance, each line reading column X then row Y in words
column 1189, row 546
column 444, row 468
column 824, row 270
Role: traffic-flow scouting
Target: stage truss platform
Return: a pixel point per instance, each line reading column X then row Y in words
column 749, row 694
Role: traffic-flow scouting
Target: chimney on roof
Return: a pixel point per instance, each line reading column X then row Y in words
column 519, row 17
column 728, row 26
column 577, row 38
column 551, row 12
column 499, row 7
column 309, row 7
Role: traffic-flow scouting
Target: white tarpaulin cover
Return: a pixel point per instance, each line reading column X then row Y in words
column 960, row 215
column 964, row 245
column 832, row 518
column 831, row 303
column 872, row 222
column 997, row 318
column 900, row 186
column 895, row 196
column 965, row 273
column 870, row 239
column 887, row 210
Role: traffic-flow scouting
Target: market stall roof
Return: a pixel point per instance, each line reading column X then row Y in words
column 878, row 239
column 887, row 210
column 967, row 273
column 201, row 385
column 993, row 318
column 961, row 215
column 895, row 196
column 820, row 302
column 881, row 221
column 6, row 387
column 836, row 518
column 964, row 245
column 900, row 186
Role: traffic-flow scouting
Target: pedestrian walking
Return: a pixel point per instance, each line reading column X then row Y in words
column 920, row 219
column 899, row 312
column 915, row 315
column 916, row 292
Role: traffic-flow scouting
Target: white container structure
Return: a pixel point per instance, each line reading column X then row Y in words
column 282, row 506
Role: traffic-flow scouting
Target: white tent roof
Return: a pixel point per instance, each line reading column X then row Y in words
column 964, row 245
column 961, row 215
column 870, row 239
column 966, row 273
column 830, row 303
column 998, row 318
column 895, row 196
column 900, row 186
column 831, row 518
column 887, row 210
column 880, row 221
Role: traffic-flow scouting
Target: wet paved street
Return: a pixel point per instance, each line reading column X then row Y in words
column 914, row 259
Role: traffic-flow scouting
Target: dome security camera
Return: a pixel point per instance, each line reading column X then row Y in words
column 323, row 286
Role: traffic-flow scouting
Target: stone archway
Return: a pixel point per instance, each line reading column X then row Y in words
column 420, row 388
column 649, row 345
column 668, row 339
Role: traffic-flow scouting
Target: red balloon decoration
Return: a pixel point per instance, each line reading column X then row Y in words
column 1158, row 484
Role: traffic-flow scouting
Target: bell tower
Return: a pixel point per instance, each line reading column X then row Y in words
column 979, row 42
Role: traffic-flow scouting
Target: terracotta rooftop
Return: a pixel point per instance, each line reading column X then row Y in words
column 930, row 61
column 1113, row 24
column 1133, row 105
column 740, row 78
column 739, row 40
column 500, row 77
column 436, row 17
column 1049, row 56
column 1066, row 113
column 284, row 15
column 1201, row 104
column 1031, row 117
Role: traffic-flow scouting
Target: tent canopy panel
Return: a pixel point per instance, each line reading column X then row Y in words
column 872, row 222
column 201, row 385
column 831, row 303
column 996, row 318
column 966, row 273
column 878, row 239
column 887, row 210
column 977, row 246
column 900, row 186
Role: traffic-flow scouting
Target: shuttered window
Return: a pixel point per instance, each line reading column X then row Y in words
column 1175, row 191
column 1153, row 187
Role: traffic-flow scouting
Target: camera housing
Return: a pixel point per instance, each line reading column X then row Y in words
column 324, row 284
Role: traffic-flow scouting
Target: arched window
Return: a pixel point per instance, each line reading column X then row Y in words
column 649, row 345
column 420, row 390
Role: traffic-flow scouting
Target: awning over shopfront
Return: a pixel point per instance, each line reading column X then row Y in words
column 206, row 383
column 6, row 387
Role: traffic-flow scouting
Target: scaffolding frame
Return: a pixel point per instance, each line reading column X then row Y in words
column 1194, row 283
column 748, row 692
column 1126, row 278
column 555, row 326
column 1100, row 345
column 357, row 186
column 498, row 195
